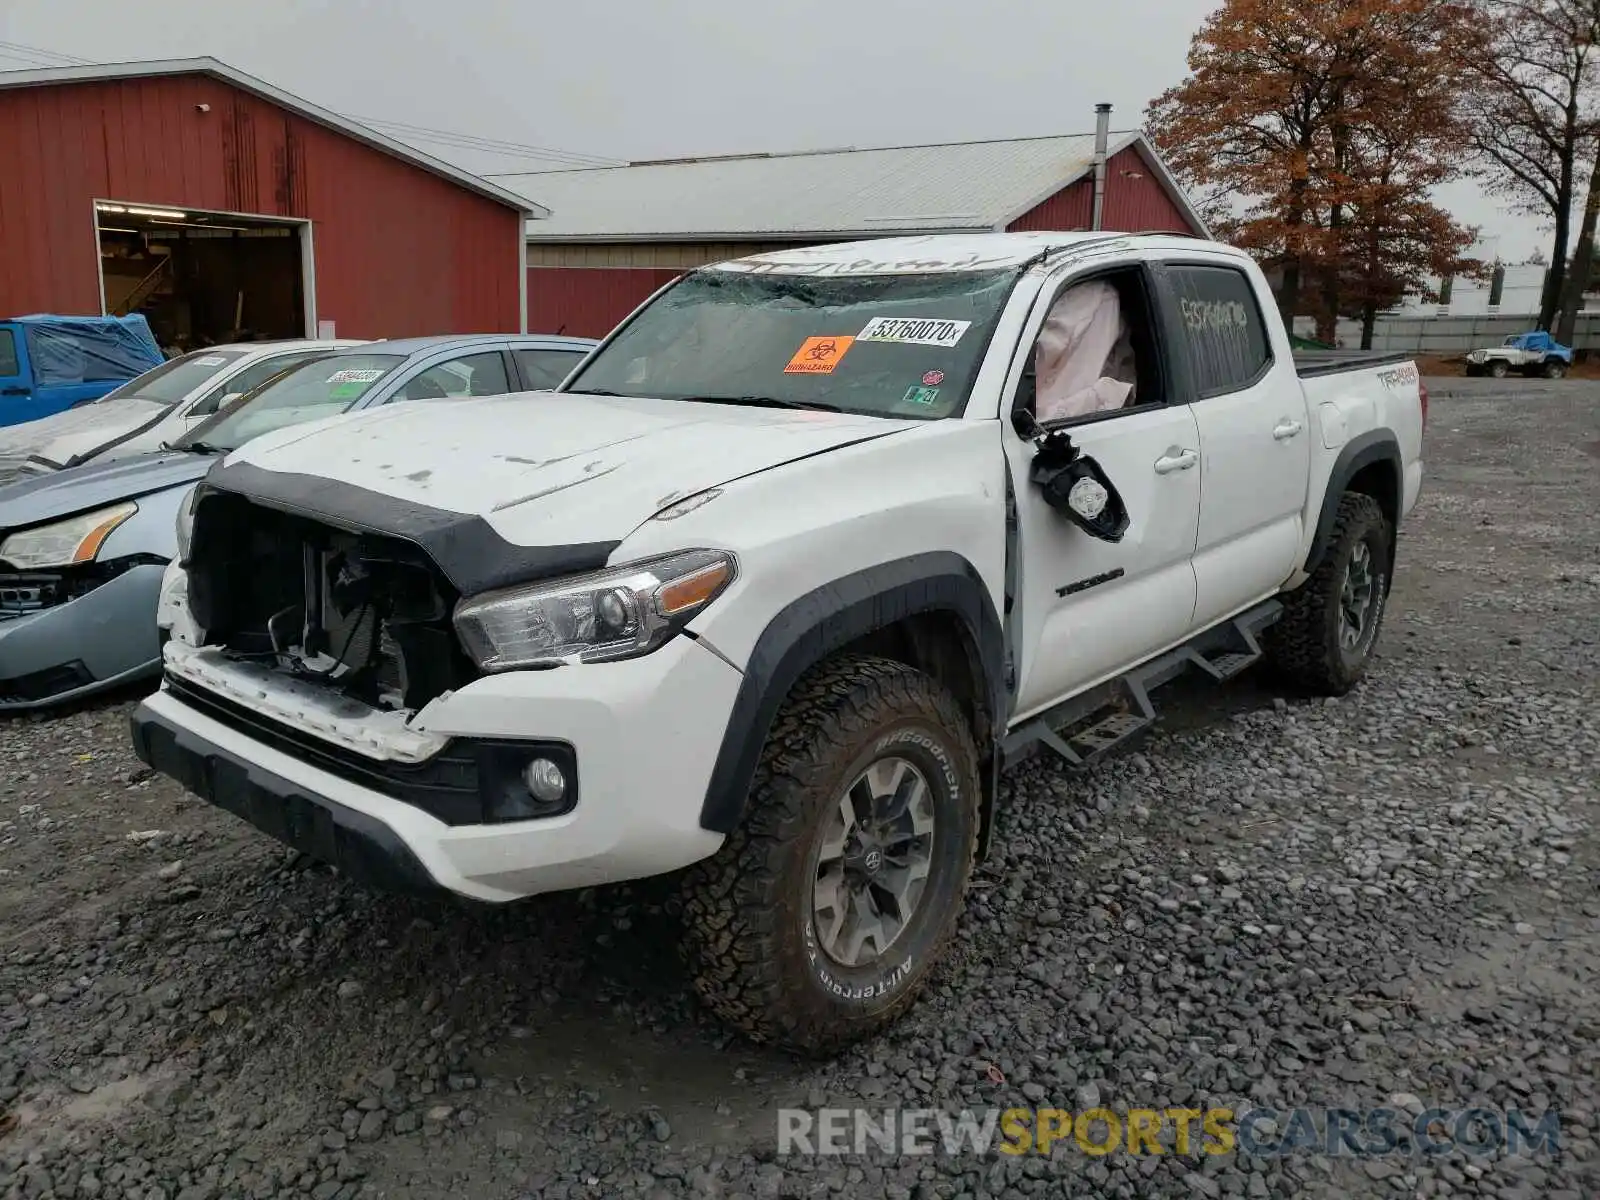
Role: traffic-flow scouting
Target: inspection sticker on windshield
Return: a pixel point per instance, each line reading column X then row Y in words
column 818, row 355
column 353, row 376
column 210, row 360
column 914, row 331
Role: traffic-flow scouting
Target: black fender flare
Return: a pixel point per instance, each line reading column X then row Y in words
column 823, row 620
column 1377, row 445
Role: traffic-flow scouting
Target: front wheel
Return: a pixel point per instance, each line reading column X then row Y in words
column 818, row 921
column 1330, row 623
column 1498, row 369
column 1555, row 369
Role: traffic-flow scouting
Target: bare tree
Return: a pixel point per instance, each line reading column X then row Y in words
column 1534, row 114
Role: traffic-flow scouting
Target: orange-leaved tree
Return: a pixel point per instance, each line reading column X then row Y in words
column 1312, row 133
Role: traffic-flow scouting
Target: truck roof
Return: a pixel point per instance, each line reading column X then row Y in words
column 933, row 253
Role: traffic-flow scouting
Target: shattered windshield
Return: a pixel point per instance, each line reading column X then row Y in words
column 905, row 345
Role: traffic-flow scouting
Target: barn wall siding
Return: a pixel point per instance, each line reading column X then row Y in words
column 643, row 254
column 398, row 251
column 588, row 301
column 1134, row 201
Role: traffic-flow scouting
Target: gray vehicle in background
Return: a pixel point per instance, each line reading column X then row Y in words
column 83, row 550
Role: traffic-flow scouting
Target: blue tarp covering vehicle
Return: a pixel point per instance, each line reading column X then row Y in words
column 49, row 363
column 1534, row 353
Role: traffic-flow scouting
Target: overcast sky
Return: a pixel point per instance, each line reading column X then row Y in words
column 638, row 79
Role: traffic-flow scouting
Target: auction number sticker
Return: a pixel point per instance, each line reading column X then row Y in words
column 818, row 355
column 353, row 376
column 914, row 331
column 210, row 360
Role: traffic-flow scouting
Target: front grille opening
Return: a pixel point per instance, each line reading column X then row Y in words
column 24, row 592
column 368, row 616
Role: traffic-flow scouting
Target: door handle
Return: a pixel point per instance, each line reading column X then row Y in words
column 13, row 391
column 1287, row 429
column 1176, row 460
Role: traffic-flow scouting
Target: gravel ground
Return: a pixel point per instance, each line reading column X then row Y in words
column 1387, row 899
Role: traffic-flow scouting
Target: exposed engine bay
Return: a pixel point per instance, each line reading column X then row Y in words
column 367, row 616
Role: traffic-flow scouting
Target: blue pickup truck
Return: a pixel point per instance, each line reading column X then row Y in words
column 49, row 363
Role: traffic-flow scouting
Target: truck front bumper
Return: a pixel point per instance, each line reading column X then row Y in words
column 644, row 736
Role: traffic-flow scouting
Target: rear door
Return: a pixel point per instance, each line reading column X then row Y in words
column 544, row 367
column 1255, row 448
column 16, row 403
column 479, row 371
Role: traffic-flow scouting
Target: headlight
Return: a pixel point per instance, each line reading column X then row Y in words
column 75, row 540
column 185, row 524
column 622, row 612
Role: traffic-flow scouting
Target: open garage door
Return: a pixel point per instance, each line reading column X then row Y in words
column 201, row 278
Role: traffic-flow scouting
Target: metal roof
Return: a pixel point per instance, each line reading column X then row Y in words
column 98, row 72
column 954, row 187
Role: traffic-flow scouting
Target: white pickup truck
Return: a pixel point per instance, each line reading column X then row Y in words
column 775, row 585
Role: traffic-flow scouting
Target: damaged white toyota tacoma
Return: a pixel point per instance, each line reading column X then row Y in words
column 775, row 585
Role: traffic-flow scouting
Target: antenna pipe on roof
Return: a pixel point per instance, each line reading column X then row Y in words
column 1102, row 139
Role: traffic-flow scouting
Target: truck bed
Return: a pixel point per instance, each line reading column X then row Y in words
column 1311, row 363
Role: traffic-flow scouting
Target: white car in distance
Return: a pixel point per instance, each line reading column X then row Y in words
column 153, row 409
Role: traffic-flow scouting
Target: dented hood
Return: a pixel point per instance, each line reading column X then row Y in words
column 550, row 468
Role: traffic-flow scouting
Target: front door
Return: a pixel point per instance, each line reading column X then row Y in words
column 1087, row 609
column 1255, row 441
column 16, row 402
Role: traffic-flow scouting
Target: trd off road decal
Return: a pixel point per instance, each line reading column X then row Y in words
column 1399, row 377
column 818, row 355
column 914, row 331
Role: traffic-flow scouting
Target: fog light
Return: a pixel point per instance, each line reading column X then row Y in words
column 545, row 780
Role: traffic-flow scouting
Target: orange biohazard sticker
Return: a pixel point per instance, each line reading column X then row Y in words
column 818, row 355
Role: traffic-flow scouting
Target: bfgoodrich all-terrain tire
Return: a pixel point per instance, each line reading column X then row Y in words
column 1330, row 623
column 819, row 919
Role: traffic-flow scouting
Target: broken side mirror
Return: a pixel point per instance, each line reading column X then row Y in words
column 1076, row 486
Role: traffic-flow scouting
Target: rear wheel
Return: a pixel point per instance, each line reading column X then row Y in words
column 1554, row 368
column 1330, row 623
column 818, row 921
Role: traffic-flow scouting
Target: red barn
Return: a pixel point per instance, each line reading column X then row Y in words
column 615, row 234
column 216, row 204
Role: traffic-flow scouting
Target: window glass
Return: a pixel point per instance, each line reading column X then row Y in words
column 8, row 353
column 308, row 392
column 901, row 345
column 176, row 378
column 1222, row 323
column 546, row 368
column 247, row 378
column 474, row 375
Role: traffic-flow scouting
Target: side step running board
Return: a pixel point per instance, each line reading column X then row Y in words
column 1087, row 727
